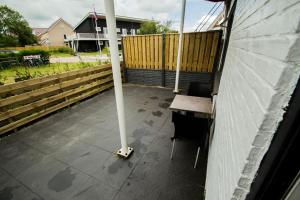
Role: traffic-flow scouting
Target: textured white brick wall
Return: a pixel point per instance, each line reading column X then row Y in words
column 260, row 73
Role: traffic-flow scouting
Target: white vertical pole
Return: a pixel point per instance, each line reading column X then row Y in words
column 96, row 28
column 180, row 45
column 113, row 43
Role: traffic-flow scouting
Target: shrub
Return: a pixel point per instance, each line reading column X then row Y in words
column 44, row 54
column 9, row 59
column 105, row 50
column 66, row 50
column 3, row 78
column 7, row 55
column 22, row 76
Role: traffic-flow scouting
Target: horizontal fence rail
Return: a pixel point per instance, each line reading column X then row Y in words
column 25, row 101
column 148, row 52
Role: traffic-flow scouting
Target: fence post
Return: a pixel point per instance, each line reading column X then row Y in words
column 163, row 53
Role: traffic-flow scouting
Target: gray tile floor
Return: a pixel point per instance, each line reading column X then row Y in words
column 70, row 155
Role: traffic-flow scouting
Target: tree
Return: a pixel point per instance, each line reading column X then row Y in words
column 14, row 29
column 154, row 27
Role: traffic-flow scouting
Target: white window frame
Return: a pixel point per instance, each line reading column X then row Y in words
column 105, row 30
column 98, row 29
column 124, row 31
column 133, row 31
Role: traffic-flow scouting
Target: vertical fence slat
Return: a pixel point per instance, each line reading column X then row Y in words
column 190, row 52
column 201, row 53
column 176, row 38
column 132, row 51
column 196, row 52
column 167, row 51
column 207, row 52
column 160, row 51
column 129, row 52
column 213, row 51
column 140, row 51
column 171, row 59
column 156, row 51
column 185, row 51
column 147, row 52
column 125, row 54
column 144, row 51
column 152, row 52
column 136, row 55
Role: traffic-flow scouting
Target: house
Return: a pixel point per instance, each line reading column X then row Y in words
column 88, row 36
column 56, row 34
column 38, row 31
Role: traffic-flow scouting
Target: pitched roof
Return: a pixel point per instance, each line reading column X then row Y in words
column 118, row 17
column 56, row 22
column 39, row 31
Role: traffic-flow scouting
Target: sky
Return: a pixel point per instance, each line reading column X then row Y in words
column 42, row 13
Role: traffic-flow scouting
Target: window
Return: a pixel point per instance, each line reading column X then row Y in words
column 98, row 29
column 65, row 37
column 105, row 30
column 132, row 31
column 124, row 31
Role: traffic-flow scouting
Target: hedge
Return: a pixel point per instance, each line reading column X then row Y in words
column 9, row 59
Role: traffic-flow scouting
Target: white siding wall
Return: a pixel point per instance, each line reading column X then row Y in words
column 260, row 73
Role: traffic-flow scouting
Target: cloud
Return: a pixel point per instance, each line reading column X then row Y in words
column 41, row 13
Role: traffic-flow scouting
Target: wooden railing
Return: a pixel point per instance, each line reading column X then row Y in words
column 23, row 102
column 159, row 51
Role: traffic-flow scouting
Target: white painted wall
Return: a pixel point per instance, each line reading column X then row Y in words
column 260, row 73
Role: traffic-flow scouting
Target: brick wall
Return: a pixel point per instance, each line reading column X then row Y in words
column 260, row 73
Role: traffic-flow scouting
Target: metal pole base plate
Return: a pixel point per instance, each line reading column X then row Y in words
column 125, row 154
column 176, row 92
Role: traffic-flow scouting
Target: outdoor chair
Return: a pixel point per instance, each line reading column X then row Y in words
column 190, row 127
column 199, row 89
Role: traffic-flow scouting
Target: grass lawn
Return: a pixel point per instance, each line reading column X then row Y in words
column 58, row 55
column 90, row 53
column 8, row 76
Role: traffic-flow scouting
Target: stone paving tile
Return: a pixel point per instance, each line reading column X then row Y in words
column 18, row 157
column 71, row 154
column 11, row 189
column 52, row 179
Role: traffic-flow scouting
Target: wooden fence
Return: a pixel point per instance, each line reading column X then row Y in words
column 159, row 51
column 25, row 101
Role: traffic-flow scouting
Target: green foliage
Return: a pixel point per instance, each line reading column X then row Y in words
column 7, row 55
column 44, row 54
column 3, row 78
column 154, row 27
column 105, row 50
column 14, row 29
column 21, row 76
column 16, row 58
column 66, row 50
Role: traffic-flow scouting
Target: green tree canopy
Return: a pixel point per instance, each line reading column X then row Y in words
column 154, row 27
column 14, row 29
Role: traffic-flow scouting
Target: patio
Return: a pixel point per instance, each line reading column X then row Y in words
column 70, row 154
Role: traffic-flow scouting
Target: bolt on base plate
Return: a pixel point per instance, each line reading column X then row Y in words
column 125, row 154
